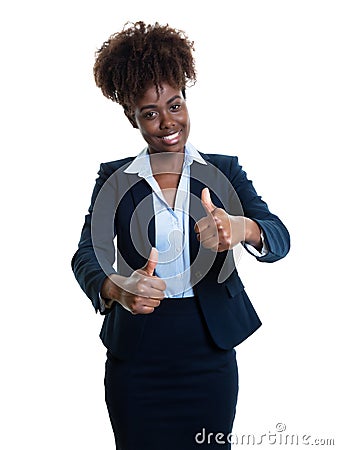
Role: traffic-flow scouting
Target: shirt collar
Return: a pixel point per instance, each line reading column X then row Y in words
column 141, row 164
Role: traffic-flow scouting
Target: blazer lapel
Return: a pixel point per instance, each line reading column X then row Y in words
column 143, row 217
column 201, row 259
column 196, row 210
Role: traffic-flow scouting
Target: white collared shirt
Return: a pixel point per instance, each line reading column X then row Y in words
column 171, row 225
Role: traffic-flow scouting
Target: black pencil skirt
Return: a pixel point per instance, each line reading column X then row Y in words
column 180, row 391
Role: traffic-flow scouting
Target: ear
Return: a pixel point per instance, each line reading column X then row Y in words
column 131, row 117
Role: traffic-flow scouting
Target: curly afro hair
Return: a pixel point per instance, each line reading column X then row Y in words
column 143, row 55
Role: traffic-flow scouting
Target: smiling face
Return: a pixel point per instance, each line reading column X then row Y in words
column 162, row 119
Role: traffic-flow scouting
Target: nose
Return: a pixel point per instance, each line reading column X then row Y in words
column 167, row 121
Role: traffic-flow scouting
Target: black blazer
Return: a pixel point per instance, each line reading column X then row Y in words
column 122, row 207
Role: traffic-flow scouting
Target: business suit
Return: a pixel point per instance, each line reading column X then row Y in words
column 176, row 367
column 227, row 310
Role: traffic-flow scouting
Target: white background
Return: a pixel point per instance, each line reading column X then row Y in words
column 267, row 92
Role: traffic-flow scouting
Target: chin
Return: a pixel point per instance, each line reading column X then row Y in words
column 176, row 148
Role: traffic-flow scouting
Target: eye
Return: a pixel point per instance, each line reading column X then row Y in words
column 150, row 115
column 175, row 107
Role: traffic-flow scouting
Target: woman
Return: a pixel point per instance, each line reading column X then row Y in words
column 174, row 306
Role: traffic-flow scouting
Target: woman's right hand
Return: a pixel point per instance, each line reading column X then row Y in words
column 140, row 293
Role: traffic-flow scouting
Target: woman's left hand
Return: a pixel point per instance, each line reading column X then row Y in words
column 219, row 231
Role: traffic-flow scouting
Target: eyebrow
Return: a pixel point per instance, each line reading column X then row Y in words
column 155, row 106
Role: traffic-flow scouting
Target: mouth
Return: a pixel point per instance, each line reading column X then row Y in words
column 172, row 138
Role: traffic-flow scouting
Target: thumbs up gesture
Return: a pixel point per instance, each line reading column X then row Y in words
column 218, row 231
column 143, row 291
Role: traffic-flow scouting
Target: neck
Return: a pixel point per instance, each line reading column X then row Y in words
column 162, row 163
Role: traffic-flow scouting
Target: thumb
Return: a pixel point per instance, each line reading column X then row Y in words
column 206, row 201
column 152, row 262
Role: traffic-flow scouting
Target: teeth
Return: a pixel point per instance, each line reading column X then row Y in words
column 171, row 136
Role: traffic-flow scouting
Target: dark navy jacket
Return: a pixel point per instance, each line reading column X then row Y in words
column 122, row 207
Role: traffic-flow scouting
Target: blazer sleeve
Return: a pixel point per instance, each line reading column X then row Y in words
column 275, row 233
column 85, row 265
